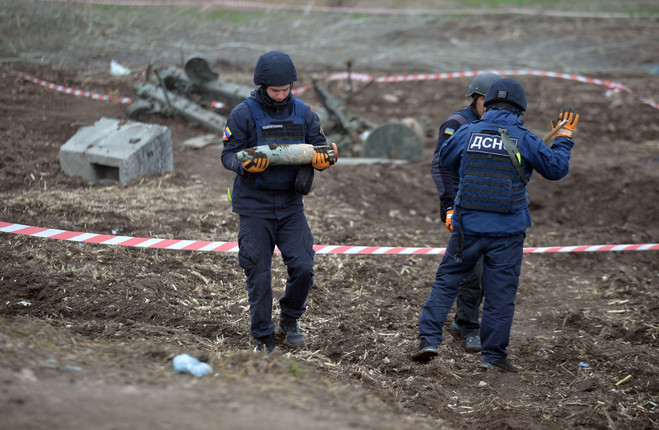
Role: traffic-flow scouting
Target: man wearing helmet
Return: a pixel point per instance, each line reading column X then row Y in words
column 494, row 158
column 470, row 294
column 268, row 199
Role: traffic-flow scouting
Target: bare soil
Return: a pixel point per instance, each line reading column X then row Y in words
column 88, row 332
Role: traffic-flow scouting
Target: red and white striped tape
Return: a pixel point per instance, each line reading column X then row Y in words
column 67, row 90
column 204, row 245
column 614, row 87
column 81, row 93
column 472, row 73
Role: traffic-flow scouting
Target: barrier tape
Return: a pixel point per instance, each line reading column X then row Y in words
column 214, row 246
column 81, row 93
column 207, row 4
column 613, row 87
column 472, row 73
column 67, row 90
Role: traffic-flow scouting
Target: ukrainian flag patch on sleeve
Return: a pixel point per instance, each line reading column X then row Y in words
column 227, row 133
column 449, row 131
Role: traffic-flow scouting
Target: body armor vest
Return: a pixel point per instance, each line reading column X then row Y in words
column 464, row 116
column 271, row 131
column 489, row 181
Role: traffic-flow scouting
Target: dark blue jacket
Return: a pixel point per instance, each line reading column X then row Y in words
column 241, row 133
column 552, row 163
column 445, row 181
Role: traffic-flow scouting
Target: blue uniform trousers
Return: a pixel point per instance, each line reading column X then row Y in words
column 470, row 297
column 257, row 239
column 502, row 262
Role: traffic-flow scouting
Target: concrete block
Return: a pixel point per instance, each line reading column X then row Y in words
column 114, row 150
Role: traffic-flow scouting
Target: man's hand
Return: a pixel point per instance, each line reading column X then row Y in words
column 321, row 160
column 449, row 215
column 258, row 164
column 572, row 119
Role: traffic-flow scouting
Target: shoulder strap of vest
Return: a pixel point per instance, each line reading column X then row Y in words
column 469, row 114
column 513, row 153
column 457, row 116
column 255, row 108
column 298, row 107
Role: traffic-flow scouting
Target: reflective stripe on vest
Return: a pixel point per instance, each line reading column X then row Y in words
column 488, row 181
column 271, row 131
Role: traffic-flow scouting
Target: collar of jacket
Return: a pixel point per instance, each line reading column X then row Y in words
column 503, row 117
column 262, row 97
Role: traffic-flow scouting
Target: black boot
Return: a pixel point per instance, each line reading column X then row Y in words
column 500, row 364
column 471, row 342
column 294, row 337
column 265, row 343
column 425, row 352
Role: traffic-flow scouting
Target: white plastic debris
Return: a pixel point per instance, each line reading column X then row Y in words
column 189, row 364
column 117, row 69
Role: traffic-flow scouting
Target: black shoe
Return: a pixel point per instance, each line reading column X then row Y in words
column 294, row 337
column 471, row 342
column 425, row 352
column 265, row 343
column 500, row 364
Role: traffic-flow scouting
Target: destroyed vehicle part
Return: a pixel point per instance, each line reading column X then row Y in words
column 228, row 93
column 199, row 71
column 175, row 80
column 206, row 84
column 395, row 140
column 166, row 102
column 333, row 106
column 347, row 129
column 139, row 108
column 198, row 82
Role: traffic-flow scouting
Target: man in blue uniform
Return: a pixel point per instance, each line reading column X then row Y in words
column 268, row 199
column 494, row 158
column 470, row 294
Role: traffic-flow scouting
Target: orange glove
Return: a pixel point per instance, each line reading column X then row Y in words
column 572, row 119
column 321, row 160
column 449, row 215
column 258, row 164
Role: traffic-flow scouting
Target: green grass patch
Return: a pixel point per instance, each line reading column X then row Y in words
column 146, row 14
column 604, row 6
column 294, row 369
column 195, row 13
column 236, row 16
